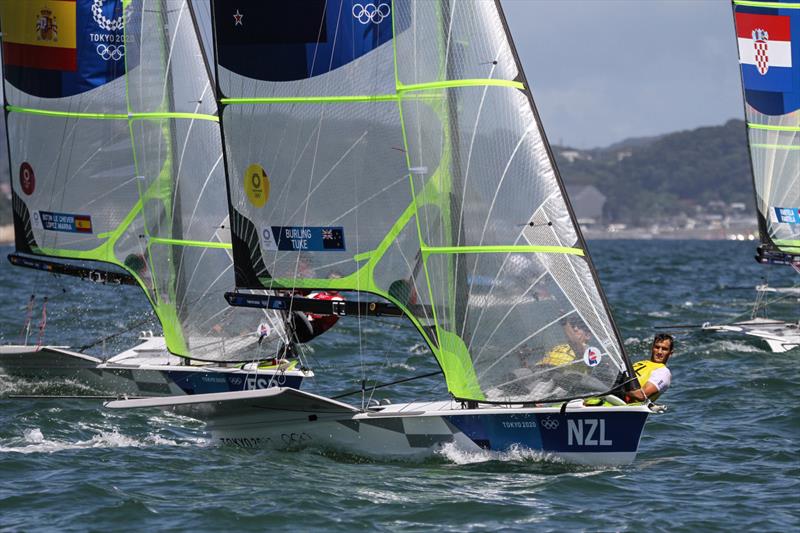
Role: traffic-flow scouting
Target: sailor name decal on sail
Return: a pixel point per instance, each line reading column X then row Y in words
column 303, row 238
column 787, row 215
column 256, row 185
column 27, row 179
column 63, row 222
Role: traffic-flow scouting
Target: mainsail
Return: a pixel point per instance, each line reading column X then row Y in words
column 115, row 156
column 393, row 148
column 768, row 34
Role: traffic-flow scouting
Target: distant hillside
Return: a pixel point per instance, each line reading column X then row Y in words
column 657, row 178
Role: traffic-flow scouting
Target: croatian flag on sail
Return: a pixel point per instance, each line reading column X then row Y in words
column 769, row 53
column 765, row 51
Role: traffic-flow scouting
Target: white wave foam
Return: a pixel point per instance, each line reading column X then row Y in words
column 661, row 314
column 33, row 441
column 402, row 366
column 418, row 348
column 454, row 454
column 632, row 340
column 734, row 346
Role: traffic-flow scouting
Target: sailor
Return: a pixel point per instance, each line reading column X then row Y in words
column 577, row 336
column 306, row 326
column 653, row 376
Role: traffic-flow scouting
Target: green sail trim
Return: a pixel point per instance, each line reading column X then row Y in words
column 769, row 127
column 401, row 90
column 501, row 249
column 110, row 116
column 774, row 5
column 159, row 191
column 788, row 246
column 776, row 146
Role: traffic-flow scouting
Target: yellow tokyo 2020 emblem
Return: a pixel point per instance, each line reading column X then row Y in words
column 256, row 185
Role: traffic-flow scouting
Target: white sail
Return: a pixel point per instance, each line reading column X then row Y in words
column 769, row 53
column 394, row 149
column 131, row 173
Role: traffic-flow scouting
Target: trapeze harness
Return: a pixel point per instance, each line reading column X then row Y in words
column 643, row 371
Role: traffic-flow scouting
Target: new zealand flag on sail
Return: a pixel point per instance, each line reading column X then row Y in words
column 60, row 48
column 769, row 52
column 294, row 40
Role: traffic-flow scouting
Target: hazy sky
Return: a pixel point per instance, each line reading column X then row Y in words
column 605, row 70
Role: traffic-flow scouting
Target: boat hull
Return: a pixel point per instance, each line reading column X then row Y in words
column 142, row 371
column 779, row 335
column 283, row 419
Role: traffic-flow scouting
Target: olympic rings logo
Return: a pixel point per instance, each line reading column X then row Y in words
column 550, row 423
column 366, row 13
column 111, row 51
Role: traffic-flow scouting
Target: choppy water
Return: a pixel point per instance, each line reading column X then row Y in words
column 725, row 456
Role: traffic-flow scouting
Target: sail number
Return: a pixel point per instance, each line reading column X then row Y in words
column 587, row 432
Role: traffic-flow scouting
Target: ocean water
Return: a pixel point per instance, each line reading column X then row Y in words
column 725, row 455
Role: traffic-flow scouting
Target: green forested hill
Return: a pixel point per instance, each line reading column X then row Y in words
column 656, row 178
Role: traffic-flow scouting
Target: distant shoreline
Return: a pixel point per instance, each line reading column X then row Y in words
column 7, row 234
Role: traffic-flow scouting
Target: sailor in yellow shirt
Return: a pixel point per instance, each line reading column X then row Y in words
column 577, row 340
column 653, row 376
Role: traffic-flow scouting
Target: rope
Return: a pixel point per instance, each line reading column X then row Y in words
column 113, row 335
column 382, row 385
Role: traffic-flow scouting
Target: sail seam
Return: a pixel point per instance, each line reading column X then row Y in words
column 110, row 116
column 777, row 146
column 772, row 128
column 489, row 249
column 401, row 90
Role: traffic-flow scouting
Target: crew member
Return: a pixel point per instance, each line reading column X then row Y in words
column 306, row 326
column 653, row 376
column 577, row 336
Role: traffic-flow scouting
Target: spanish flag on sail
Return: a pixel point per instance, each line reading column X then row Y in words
column 58, row 48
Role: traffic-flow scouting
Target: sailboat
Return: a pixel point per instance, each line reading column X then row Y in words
column 393, row 149
column 770, row 68
column 116, row 158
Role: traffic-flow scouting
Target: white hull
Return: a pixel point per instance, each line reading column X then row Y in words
column 780, row 336
column 147, row 369
column 284, row 418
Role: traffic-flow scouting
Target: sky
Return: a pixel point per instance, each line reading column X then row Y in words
column 606, row 70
